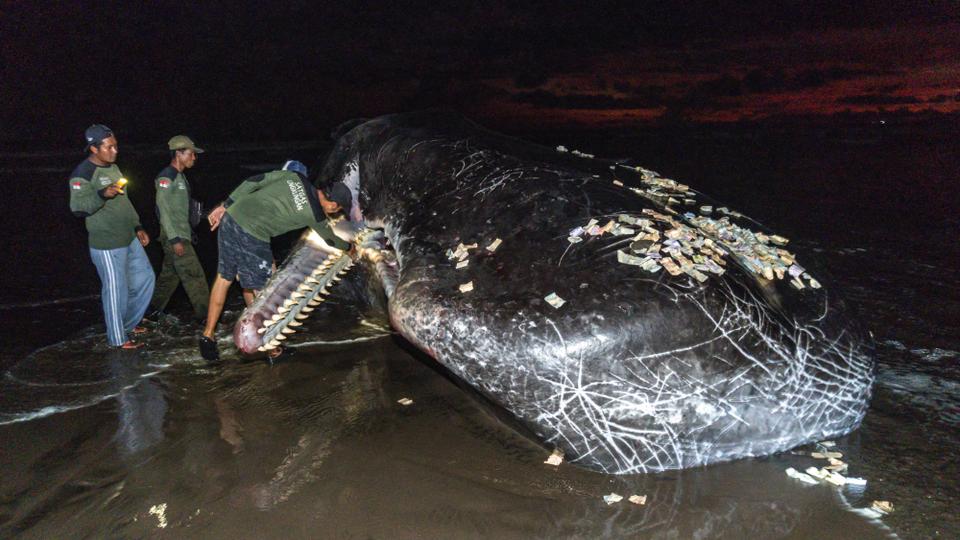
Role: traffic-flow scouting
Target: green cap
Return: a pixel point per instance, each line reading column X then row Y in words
column 182, row 142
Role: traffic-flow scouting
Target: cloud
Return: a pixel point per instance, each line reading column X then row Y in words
column 878, row 99
column 550, row 100
column 944, row 98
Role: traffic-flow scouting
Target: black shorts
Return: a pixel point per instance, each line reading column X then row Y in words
column 243, row 256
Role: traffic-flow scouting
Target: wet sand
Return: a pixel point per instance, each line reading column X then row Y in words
column 319, row 447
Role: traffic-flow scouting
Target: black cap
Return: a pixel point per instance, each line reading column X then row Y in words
column 95, row 134
column 339, row 193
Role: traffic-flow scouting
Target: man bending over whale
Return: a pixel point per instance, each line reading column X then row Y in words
column 260, row 208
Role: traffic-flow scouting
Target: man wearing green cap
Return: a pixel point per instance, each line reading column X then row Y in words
column 180, row 262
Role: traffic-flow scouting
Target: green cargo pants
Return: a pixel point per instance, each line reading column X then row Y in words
column 176, row 270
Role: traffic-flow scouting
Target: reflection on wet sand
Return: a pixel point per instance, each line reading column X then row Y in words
column 230, row 428
column 141, row 406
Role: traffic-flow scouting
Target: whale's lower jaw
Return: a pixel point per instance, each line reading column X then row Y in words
column 303, row 281
column 298, row 287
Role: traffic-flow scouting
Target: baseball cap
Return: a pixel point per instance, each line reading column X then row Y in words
column 339, row 193
column 95, row 134
column 182, row 142
column 295, row 166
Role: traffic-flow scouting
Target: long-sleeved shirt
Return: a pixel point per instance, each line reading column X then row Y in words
column 173, row 205
column 277, row 202
column 111, row 223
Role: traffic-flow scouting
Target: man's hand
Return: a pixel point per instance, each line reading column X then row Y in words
column 143, row 237
column 112, row 191
column 178, row 249
column 215, row 216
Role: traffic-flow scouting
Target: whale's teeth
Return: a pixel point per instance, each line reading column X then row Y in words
column 299, row 317
column 294, row 323
column 289, row 302
column 277, row 317
column 261, row 330
column 267, row 323
column 336, row 278
column 288, row 330
column 273, row 343
column 311, row 280
column 324, row 291
column 314, row 303
column 304, row 287
column 297, row 296
column 307, row 308
column 262, row 348
column 282, row 310
column 280, row 337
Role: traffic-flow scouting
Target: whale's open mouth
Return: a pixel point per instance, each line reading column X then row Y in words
column 299, row 286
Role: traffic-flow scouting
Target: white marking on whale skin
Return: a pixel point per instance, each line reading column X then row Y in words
column 351, row 179
column 473, row 172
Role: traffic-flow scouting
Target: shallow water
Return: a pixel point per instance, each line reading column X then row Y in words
column 158, row 443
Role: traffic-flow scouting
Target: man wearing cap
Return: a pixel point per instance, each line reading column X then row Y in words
column 262, row 207
column 180, row 262
column 115, row 236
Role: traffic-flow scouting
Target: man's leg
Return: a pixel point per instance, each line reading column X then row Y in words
column 140, row 282
column 248, row 296
column 218, row 296
column 111, row 266
column 194, row 280
column 168, row 279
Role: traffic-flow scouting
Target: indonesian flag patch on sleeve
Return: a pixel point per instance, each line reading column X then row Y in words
column 164, row 183
column 75, row 184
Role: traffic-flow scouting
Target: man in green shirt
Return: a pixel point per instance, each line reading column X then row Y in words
column 115, row 236
column 260, row 208
column 180, row 262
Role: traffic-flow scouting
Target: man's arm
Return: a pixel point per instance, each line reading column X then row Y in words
column 84, row 197
column 248, row 186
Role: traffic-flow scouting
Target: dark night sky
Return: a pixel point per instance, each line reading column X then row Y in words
column 236, row 71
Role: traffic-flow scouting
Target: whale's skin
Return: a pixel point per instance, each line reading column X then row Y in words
column 637, row 372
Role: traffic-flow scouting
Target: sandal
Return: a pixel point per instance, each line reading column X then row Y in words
column 139, row 330
column 131, row 344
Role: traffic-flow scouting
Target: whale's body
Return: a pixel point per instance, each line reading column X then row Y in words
column 639, row 370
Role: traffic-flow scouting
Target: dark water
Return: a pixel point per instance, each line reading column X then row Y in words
column 98, row 443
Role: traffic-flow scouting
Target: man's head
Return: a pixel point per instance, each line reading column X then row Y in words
column 335, row 198
column 183, row 152
column 101, row 144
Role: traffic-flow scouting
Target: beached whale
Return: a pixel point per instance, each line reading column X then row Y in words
column 625, row 318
